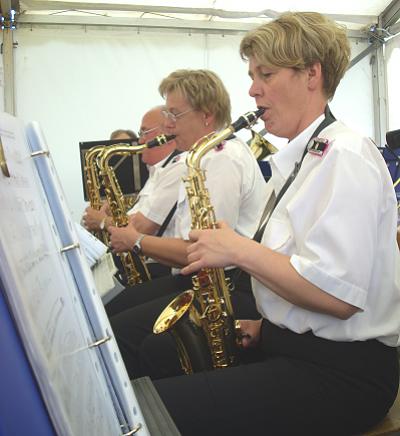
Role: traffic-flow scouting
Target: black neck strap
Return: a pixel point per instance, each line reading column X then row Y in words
column 273, row 199
column 170, row 157
column 168, row 218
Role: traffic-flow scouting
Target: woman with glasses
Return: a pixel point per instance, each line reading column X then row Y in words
column 325, row 265
column 196, row 104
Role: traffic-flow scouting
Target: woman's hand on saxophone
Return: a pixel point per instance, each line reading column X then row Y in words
column 215, row 248
column 250, row 332
column 123, row 238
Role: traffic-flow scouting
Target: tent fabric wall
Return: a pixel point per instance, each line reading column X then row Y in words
column 81, row 84
column 392, row 55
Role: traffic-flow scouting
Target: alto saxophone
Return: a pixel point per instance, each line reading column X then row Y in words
column 202, row 319
column 260, row 147
column 93, row 184
column 133, row 264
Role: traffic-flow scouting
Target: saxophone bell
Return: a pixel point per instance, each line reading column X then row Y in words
column 182, row 320
column 260, row 147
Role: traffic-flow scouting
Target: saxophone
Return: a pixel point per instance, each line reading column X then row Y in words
column 202, row 319
column 134, row 265
column 92, row 182
column 260, row 147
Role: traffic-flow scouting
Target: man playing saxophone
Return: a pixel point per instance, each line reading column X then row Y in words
column 158, row 195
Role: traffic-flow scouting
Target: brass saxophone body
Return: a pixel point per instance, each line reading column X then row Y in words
column 202, row 319
column 93, row 184
column 134, row 265
column 260, row 147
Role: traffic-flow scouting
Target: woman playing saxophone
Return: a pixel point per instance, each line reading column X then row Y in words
column 324, row 262
column 197, row 105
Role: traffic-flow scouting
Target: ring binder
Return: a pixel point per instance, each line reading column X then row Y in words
column 56, row 329
column 40, row 153
column 100, row 342
column 3, row 163
column 133, row 431
column 69, row 247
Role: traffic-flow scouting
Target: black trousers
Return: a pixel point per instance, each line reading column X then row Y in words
column 290, row 385
column 140, row 294
column 297, row 385
column 134, row 312
column 166, row 285
column 157, row 270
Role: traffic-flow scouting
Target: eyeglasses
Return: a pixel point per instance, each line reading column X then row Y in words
column 146, row 132
column 173, row 117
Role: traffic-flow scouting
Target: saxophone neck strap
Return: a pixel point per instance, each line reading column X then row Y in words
column 170, row 157
column 168, row 218
column 275, row 199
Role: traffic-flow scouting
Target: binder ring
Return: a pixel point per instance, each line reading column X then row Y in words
column 134, row 430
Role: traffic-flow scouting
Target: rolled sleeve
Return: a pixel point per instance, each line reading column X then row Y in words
column 336, row 239
column 334, row 286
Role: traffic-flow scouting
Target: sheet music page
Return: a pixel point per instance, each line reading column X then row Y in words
column 92, row 247
column 44, row 299
column 103, row 275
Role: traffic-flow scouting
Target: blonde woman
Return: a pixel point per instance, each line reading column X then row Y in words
column 325, row 272
column 196, row 104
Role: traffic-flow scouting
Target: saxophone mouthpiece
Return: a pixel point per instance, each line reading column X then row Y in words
column 259, row 112
column 160, row 140
column 247, row 120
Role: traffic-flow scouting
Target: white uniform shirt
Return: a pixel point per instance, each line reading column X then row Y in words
column 160, row 192
column 337, row 223
column 236, row 186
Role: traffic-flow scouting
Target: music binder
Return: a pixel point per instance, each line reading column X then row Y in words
column 53, row 300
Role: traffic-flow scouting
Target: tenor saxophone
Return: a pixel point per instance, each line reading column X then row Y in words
column 134, row 265
column 202, row 319
column 260, row 147
column 93, row 184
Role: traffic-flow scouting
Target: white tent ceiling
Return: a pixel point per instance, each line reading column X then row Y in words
column 218, row 15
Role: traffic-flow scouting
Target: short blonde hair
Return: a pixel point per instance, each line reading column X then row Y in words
column 204, row 91
column 298, row 40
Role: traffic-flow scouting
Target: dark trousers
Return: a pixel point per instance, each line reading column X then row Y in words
column 166, row 285
column 290, row 385
column 137, row 309
column 298, row 385
column 157, row 270
column 145, row 292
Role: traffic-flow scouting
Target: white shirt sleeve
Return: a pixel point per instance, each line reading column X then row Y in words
column 335, row 222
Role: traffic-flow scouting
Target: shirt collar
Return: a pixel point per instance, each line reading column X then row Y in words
column 283, row 161
column 153, row 168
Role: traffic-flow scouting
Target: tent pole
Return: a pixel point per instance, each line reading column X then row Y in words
column 8, row 56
